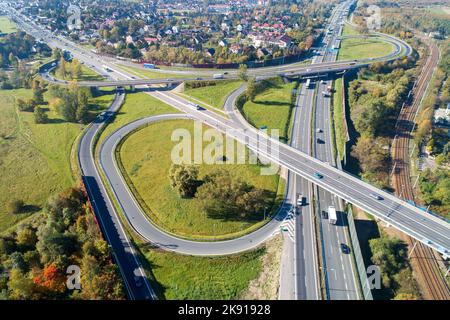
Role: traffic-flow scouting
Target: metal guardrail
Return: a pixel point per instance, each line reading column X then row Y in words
column 360, row 266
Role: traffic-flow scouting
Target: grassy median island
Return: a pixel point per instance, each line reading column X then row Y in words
column 338, row 118
column 6, row 25
column 137, row 105
column 147, row 171
column 213, row 95
column 359, row 48
column 34, row 158
column 272, row 107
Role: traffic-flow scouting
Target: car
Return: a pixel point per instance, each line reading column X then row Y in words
column 198, row 78
column 225, row 72
column 324, row 214
column 345, row 248
column 376, row 196
column 320, row 141
column 300, row 200
column 319, row 130
column 318, row 175
column 138, row 281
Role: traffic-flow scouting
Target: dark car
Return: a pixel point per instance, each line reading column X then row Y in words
column 324, row 214
column 345, row 248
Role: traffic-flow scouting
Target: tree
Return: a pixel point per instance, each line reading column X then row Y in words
column 38, row 95
column 220, row 192
column 62, row 68
column 184, row 179
column 76, row 69
column 40, row 116
column 26, row 237
column 251, row 90
column 243, row 72
column 22, row 105
column 20, row 286
column 15, row 206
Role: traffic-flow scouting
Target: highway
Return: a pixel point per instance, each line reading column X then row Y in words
column 133, row 275
column 337, row 265
column 431, row 230
column 428, row 229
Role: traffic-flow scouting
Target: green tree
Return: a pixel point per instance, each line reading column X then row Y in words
column 40, row 116
column 184, row 179
column 243, row 75
column 20, row 286
column 251, row 90
column 15, row 206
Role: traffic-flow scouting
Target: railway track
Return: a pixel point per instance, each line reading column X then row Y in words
column 422, row 258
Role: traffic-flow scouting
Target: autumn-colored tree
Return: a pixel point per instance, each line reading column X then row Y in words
column 51, row 279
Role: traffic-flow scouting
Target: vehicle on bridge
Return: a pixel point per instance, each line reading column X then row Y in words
column 332, row 216
column 318, row 175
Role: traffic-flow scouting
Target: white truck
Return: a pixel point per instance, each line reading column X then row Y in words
column 218, row 76
column 308, row 83
column 332, row 216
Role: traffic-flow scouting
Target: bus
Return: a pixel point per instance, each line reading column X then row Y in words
column 332, row 216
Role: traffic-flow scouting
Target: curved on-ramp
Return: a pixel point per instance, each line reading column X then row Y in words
column 152, row 233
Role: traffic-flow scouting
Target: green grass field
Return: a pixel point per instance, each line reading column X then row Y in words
column 136, row 106
column 34, row 158
column 350, row 30
column 148, row 172
column 197, row 278
column 214, row 96
column 271, row 108
column 352, row 49
column 6, row 25
column 442, row 10
column 338, row 118
column 86, row 75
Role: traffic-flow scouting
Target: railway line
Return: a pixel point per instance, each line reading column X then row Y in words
column 423, row 259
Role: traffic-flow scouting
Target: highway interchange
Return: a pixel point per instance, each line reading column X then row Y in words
column 297, row 158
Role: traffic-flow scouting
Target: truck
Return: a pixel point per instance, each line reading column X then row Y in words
column 332, row 216
column 308, row 83
column 149, row 66
column 218, row 76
